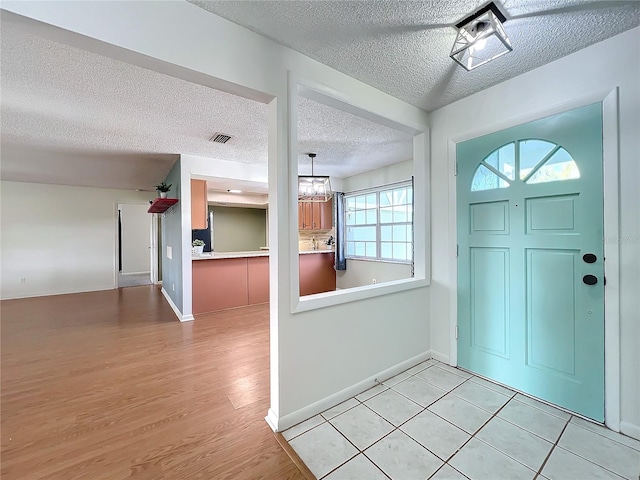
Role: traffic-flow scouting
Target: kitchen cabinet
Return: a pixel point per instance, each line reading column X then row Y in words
column 301, row 215
column 326, row 215
column 224, row 283
column 315, row 215
column 311, row 215
column 317, row 274
column 258, row 279
column 198, row 204
column 219, row 284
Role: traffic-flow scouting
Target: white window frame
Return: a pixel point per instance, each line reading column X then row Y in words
column 378, row 224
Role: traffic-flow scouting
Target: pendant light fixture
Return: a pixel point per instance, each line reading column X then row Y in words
column 481, row 38
column 314, row 188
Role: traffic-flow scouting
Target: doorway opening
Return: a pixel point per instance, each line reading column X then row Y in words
column 136, row 258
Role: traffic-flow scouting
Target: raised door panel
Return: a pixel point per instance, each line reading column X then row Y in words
column 219, row 284
column 317, row 274
column 489, row 305
column 258, row 279
column 326, row 215
column 551, row 297
column 198, row 204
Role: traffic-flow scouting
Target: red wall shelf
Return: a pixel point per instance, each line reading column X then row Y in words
column 160, row 205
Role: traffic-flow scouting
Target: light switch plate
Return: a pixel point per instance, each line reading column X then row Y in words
column 169, row 252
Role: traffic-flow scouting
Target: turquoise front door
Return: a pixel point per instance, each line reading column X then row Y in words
column 530, row 259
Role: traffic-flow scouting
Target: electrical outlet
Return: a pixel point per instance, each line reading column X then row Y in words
column 169, row 252
column 23, row 280
column 173, row 287
column 375, row 281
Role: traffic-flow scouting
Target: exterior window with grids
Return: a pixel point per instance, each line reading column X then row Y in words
column 379, row 223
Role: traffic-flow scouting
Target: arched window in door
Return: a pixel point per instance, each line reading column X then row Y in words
column 535, row 161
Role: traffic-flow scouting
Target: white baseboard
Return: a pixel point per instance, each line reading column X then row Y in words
column 135, row 273
column 181, row 317
column 272, row 420
column 630, row 430
column 54, row 293
column 440, row 357
column 278, row 424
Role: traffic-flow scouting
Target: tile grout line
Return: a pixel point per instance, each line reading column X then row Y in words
column 588, row 459
column 512, row 396
column 603, row 436
column 473, row 435
column 553, row 447
column 447, row 392
column 450, row 466
column 445, row 462
column 525, row 429
column 395, row 428
column 355, row 446
column 348, row 459
column 494, row 415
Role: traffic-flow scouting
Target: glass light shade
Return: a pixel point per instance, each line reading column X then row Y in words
column 479, row 41
column 314, row 188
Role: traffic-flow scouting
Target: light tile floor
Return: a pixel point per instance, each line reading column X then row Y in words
column 437, row 422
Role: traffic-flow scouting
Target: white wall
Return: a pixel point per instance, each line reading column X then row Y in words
column 136, row 238
column 560, row 85
column 397, row 172
column 59, row 239
column 238, row 229
column 363, row 272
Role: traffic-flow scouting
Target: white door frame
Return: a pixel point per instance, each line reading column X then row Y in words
column 611, row 161
column 153, row 259
column 154, row 249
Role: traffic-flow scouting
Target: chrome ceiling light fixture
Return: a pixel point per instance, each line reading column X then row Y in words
column 314, row 188
column 481, row 38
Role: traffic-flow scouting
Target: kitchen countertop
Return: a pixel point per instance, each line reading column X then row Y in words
column 258, row 253
column 221, row 255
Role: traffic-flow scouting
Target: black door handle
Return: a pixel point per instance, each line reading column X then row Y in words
column 590, row 279
column 589, row 258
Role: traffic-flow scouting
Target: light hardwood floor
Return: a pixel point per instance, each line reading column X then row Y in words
column 109, row 385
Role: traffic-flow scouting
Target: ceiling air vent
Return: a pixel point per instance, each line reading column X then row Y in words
column 220, row 138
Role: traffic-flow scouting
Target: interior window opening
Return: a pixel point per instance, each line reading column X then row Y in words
column 369, row 236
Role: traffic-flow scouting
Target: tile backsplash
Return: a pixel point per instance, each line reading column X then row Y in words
column 305, row 239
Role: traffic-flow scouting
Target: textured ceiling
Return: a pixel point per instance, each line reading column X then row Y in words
column 73, row 117
column 345, row 144
column 402, row 46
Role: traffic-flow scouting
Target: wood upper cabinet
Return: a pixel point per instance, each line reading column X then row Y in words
column 198, row 204
column 309, row 217
column 301, row 215
column 326, row 215
column 315, row 215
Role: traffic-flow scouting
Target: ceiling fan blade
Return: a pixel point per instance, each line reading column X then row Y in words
column 599, row 5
